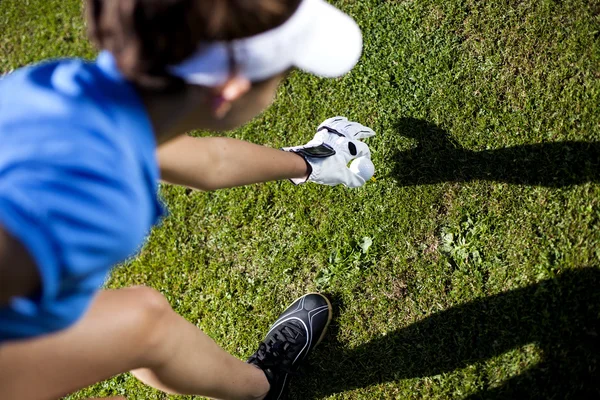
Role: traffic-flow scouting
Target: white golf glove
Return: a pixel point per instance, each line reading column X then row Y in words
column 336, row 143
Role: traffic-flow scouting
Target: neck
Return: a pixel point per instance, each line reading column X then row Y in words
column 174, row 114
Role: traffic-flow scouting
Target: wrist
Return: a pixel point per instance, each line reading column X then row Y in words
column 304, row 167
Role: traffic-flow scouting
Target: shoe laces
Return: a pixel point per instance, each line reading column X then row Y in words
column 279, row 350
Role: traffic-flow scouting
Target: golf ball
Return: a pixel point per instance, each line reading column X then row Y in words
column 363, row 167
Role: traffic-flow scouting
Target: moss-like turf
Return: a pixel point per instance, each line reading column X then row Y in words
column 483, row 272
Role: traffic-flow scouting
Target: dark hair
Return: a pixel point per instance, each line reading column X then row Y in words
column 146, row 36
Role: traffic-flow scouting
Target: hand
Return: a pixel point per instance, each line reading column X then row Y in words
column 351, row 130
column 336, row 143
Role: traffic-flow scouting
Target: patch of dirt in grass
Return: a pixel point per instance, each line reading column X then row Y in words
column 431, row 246
column 398, row 290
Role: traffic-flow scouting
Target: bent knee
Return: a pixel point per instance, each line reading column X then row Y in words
column 149, row 302
column 149, row 313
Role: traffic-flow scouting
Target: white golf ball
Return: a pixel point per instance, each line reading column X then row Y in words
column 363, row 167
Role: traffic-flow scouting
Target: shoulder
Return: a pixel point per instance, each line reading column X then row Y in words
column 73, row 108
column 70, row 89
column 73, row 90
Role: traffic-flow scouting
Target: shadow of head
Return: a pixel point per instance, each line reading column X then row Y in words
column 560, row 317
column 438, row 158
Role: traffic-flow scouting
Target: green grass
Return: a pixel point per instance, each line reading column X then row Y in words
column 482, row 277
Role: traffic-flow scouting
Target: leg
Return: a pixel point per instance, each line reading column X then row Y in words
column 124, row 330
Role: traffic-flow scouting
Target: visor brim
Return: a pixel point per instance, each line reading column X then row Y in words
column 332, row 43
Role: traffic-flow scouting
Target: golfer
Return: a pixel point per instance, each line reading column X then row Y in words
column 82, row 148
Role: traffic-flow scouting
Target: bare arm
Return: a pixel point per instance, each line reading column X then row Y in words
column 216, row 162
column 18, row 273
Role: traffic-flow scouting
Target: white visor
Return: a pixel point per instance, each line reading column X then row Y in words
column 318, row 38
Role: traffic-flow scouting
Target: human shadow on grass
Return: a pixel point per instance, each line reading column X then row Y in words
column 438, row 159
column 560, row 317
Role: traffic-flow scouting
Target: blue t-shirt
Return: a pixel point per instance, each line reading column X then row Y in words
column 78, row 183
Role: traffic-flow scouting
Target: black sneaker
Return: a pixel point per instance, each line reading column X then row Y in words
column 295, row 333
